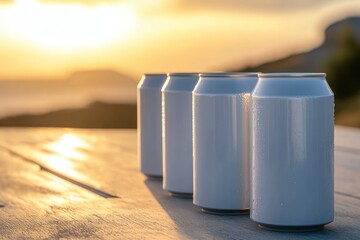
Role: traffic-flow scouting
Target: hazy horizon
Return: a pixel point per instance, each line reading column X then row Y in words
column 77, row 91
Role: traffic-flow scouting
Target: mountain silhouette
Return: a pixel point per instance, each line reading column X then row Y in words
column 75, row 91
column 96, row 115
column 101, row 76
column 313, row 60
column 85, row 99
column 339, row 57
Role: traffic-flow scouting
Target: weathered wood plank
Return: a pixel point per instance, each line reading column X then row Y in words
column 347, row 139
column 39, row 204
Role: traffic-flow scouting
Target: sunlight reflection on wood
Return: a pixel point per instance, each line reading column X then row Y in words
column 68, row 146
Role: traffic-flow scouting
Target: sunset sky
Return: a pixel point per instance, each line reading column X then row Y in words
column 49, row 39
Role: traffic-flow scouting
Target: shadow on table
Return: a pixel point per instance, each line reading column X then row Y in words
column 194, row 224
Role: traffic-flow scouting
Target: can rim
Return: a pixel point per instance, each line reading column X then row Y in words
column 155, row 74
column 291, row 75
column 183, row 74
column 229, row 74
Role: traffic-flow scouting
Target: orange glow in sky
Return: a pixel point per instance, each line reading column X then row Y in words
column 47, row 39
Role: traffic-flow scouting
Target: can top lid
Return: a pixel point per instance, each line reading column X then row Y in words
column 229, row 74
column 155, row 74
column 184, row 74
column 292, row 75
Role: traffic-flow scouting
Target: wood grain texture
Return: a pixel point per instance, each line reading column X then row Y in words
column 39, row 204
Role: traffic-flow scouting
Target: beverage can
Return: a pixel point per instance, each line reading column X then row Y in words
column 221, row 107
column 149, row 124
column 292, row 162
column 177, row 133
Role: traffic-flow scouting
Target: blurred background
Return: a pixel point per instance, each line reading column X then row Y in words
column 76, row 63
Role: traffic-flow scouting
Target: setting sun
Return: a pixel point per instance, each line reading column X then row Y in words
column 64, row 27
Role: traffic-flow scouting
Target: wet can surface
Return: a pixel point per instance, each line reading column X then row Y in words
column 149, row 124
column 177, row 133
column 292, row 162
column 221, row 107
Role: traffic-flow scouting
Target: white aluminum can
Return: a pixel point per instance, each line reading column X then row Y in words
column 292, row 167
column 149, row 124
column 177, row 133
column 221, row 108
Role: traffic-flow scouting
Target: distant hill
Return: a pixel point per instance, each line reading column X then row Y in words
column 339, row 57
column 77, row 90
column 102, row 76
column 314, row 60
column 96, row 115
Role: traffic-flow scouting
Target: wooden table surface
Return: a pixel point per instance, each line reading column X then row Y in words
column 85, row 184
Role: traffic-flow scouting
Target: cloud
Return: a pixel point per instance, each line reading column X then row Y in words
column 83, row 2
column 204, row 4
column 255, row 4
column 143, row 7
column 6, row 1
